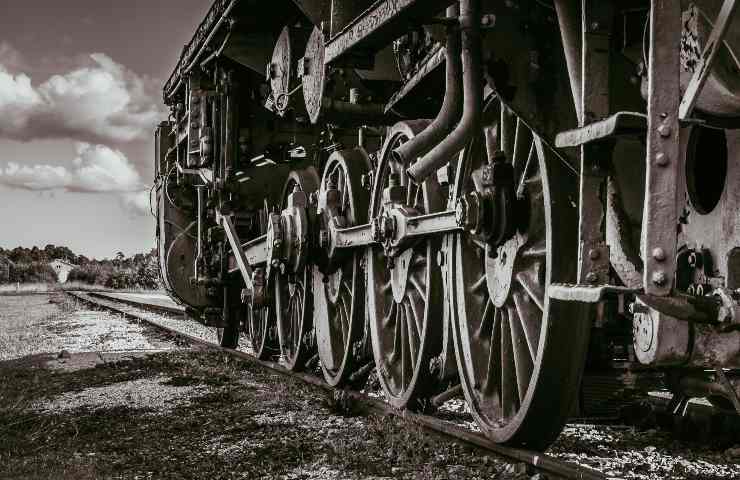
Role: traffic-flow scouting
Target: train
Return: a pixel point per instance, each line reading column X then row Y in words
column 481, row 196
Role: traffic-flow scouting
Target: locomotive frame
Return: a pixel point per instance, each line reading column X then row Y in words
column 469, row 194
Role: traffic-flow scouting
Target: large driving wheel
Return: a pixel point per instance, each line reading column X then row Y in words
column 520, row 355
column 405, row 302
column 293, row 297
column 338, row 285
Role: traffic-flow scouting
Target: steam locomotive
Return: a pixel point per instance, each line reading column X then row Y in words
column 488, row 195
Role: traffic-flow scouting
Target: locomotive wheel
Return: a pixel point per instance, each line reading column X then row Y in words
column 294, row 300
column 405, row 303
column 520, row 355
column 261, row 325
column 339, row 289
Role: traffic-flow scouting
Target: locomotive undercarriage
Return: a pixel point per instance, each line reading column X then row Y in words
column 573, row 191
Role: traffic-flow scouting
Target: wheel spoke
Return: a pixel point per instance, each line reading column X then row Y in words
column 390, row 316
column 522, row 144
column 412, row 325
column 531, row 322
column 486, row 321
column 533, row 289
column 493, row 370
column 416, row 304
column 509, row 389
column 479, row 284
column 522, row 356
column 417, row 283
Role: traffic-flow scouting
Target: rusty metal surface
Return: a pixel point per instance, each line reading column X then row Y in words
column 660, row 215
column 384, row 21
column 593, row 257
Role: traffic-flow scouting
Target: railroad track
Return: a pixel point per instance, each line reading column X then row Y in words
column 539, row 461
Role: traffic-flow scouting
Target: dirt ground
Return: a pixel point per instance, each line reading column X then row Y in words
column 203, row 415
column 162, row 410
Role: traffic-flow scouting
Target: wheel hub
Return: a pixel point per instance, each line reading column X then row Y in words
column 287, row 234
column 400, row 274
column 500, row 269
column 333, row 284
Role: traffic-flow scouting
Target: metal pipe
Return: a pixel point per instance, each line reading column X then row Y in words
column 569, row 18
column 470, row 17
column 449, row 114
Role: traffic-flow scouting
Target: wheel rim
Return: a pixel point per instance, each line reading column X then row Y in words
column 338, row 290
column 261, row 324
column 405, row 307
column 503, row 328
column 293, row 290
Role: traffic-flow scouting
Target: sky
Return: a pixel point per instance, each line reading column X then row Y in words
column 80, row 96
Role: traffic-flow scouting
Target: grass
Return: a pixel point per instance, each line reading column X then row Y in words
column 252, row 424
column 39, row 288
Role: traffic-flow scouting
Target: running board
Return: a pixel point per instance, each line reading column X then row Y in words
column 621, row 124
column 587, row 293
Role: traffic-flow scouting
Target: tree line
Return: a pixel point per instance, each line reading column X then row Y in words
column 31, row 265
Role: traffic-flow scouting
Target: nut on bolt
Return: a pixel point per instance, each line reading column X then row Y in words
column 659, row 278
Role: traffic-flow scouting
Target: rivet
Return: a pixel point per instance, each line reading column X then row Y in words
column 659, row 278
column 591, row 277
column 659, row 254
column 661, row 159
column 664, row 130
column 593, row 254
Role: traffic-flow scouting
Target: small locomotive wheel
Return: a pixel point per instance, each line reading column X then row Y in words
column 405, row 302
column 519, row 354
column 338, row 286
column 261, row 324
column 293, row 297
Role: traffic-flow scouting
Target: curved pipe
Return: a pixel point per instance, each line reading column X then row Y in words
column 470, row 16
column 449, row 114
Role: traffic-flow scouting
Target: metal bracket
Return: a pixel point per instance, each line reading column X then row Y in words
column 660, row 214
column 586, row 293
column 702, row 70
column 593, row 264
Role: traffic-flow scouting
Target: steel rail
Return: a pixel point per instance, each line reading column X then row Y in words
column 539, row 461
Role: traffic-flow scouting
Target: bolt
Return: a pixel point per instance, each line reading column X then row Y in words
column 591, row 277
column 440, row 258
column 275, row 263
column 659, row 278
column 664, row 130
column 277, row 243
column 659, row 254
column 661, row 159
column 595, row 26
column 693, row 260
column 283, row 268
column 593, row 254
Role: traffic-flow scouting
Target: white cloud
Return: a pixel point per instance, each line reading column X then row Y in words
column 136, row 203
column 100, row 101
column 96, row 169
